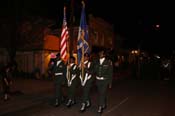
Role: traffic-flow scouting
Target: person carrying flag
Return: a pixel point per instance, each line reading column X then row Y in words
column 86, row 81
column 72, row 81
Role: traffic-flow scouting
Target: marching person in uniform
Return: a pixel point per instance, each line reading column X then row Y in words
column 103, row 71
column 59, row 79
column 72, row 80
column 86, row 81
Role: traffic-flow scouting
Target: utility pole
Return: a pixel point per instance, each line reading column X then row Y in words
column 139, row 65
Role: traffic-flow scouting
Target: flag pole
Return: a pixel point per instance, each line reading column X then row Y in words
column 67, row 41
column 82, row 58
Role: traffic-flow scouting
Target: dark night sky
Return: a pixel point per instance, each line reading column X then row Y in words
column 135, row 21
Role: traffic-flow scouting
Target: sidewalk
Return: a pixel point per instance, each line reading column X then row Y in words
column 26, row 93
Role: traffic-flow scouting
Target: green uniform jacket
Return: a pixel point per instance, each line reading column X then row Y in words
column 59, row 71
column 104, row 70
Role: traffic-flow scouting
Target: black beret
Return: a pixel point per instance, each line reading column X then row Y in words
column 58, row 55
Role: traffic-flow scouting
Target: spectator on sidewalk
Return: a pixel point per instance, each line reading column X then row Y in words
column 6, row 81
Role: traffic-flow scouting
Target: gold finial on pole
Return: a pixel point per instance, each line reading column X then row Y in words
column 83, row 3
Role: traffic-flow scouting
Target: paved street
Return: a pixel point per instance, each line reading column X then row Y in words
column 125, row 98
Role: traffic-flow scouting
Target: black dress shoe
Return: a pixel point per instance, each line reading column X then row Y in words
column 63, row 99
column 69, row 103
column 104, row 106
column 6, row 99
column 73, row 102
column 100, row 109
column 57, row 103
column 83, row 107
column 88, row 104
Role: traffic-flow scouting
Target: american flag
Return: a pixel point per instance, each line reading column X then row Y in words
column 82, row 43
column 64, row 36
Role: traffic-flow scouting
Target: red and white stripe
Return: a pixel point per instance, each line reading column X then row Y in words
column 64, row 36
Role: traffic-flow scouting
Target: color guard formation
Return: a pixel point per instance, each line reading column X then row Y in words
column 85, row 76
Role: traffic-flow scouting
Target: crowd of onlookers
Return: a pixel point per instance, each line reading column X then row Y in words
column 161, row 68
